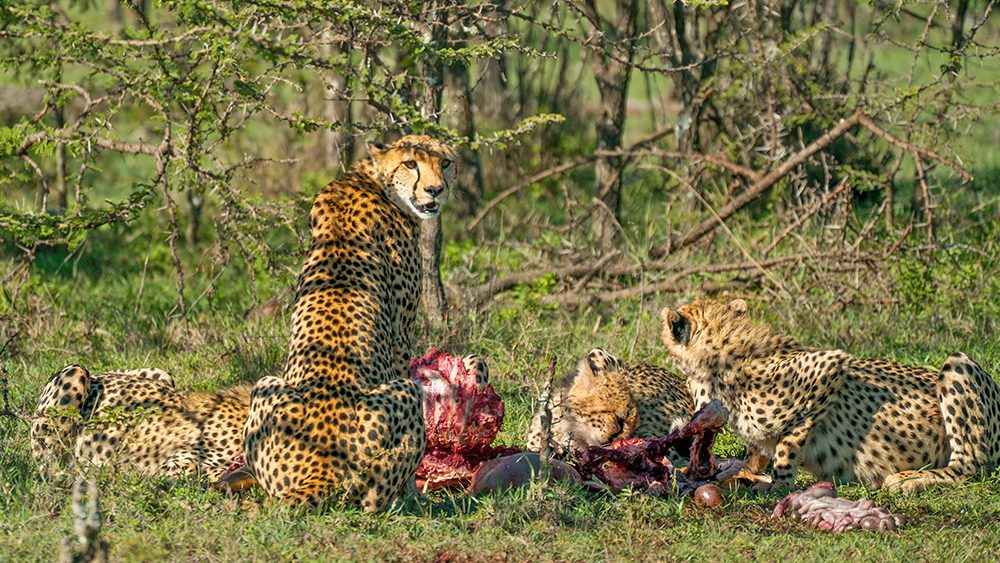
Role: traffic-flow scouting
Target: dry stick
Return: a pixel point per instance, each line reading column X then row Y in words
column 760, row 186
column 922, row 177
column 864, row 120
column 545, row 455
column 629, row 268
column 536, row 178
column 4, row 383
column 672, row 286
column 898, row 243
column 739, row 244
column 815, row 208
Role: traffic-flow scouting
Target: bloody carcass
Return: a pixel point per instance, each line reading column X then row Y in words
column 645, row 464
column 462, row 417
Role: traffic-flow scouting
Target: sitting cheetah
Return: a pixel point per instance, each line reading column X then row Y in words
column 606, row 400
column 881, row 423
column 138, row 418
column 345, row 420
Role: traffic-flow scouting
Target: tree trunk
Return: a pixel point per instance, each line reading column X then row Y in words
column 470, row 174
column 435, row 305
column 61, row 190
column 612, row 75
column 338, row 145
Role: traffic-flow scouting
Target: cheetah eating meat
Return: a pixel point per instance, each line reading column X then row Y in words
column 841, row 419
column 644, row 464
column 606, row 400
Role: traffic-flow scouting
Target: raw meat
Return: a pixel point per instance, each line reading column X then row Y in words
column 462, row 418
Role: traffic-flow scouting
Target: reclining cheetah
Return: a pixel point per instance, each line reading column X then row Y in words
column 606, row 400
column 881, row 423
column 137, row 417
column 345, row 419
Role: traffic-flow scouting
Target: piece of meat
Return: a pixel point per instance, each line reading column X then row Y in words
column 462, row 418
column 639, row 463
column 518, row 470
column 820, row 507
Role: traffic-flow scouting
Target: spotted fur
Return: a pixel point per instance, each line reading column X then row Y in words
column 840, row 418
column 344, row 421
column 606, row 400
column 136, row 418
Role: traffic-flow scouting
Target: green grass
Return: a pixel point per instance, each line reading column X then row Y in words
column 113, row 304
column 87, row 314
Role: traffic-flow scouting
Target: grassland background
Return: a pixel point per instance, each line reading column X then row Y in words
column 111, row 303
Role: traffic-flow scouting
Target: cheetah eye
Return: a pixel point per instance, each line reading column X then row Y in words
column 411, row 164
column 445, row 163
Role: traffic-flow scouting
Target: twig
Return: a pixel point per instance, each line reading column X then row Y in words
column 534, row 179
column 874, row 128
column 630, row 267
column 672, row 286
column 764, row 183
column 760, row 186
column 568, row 166
column 922, row 178
column 815, row 208
column 545, row 454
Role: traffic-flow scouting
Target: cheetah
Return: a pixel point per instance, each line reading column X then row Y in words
column 606, row 400
column 875, row 422
column 137, row 417
column 344, row 421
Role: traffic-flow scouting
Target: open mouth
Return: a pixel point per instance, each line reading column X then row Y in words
column 432, row 207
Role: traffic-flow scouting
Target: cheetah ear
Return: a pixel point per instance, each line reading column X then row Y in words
column 377, row 151
column 676, row 329
column 739, row 307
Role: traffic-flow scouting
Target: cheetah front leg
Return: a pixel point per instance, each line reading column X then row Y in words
column 787, row 459
column 970, row 403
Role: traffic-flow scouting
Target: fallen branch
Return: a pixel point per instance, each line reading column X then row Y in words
column 669, row 286
column 759, row 187
column 812, row 211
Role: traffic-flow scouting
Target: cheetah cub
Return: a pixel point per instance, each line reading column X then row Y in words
column 881, row 423
column 606, row 400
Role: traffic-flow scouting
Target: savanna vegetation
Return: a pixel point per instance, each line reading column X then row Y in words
column 835, row 163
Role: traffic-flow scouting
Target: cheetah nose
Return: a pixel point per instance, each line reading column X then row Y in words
column 434, row 191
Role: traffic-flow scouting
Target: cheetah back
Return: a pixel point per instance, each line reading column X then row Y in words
column 140, row 421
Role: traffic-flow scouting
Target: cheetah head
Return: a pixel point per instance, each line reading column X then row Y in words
column 598, row 406
column 417, row 173
column 704, row 334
